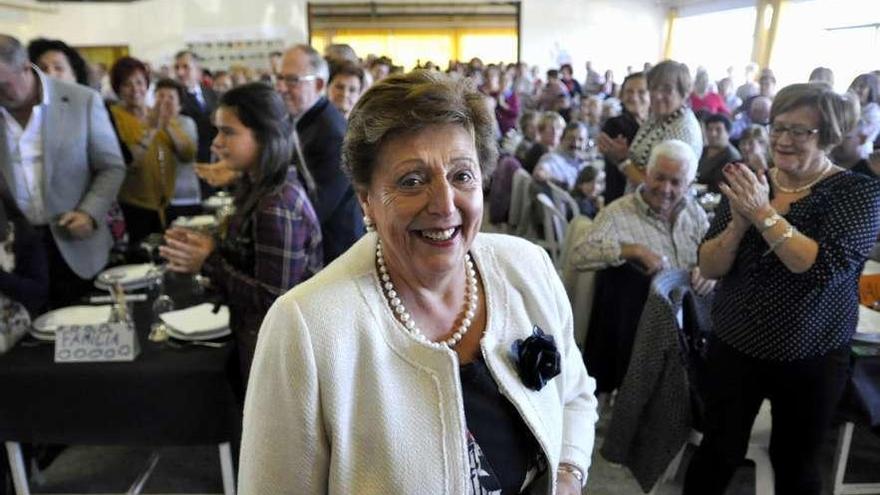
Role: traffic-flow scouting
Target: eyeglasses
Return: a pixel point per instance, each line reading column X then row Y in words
column 294, row 80
column 796, row 133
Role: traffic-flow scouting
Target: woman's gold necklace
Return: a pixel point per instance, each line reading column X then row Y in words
column 774, row 175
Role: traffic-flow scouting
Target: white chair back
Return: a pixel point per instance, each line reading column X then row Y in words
column 555, row 226
column 579, row 284
column 519, row 220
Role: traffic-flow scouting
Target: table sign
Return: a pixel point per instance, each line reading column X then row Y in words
column 105, row 342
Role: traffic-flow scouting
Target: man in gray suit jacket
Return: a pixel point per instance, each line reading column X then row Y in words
column 61, row 159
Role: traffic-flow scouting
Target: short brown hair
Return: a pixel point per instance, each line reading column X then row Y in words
column 123, row 69
column 347, row 68
column 838, row 114
column 404, row 103
column 675, row 73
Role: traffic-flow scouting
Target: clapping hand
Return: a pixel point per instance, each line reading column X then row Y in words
column 217, row 174
column 614, row 148
column 749, row 194
column 186, row 250
column 165, row 111
column 701, row 285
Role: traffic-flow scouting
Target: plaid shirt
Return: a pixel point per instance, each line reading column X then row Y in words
column 287, row 249
column 630, row 220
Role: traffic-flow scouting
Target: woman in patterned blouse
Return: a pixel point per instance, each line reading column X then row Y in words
column 273, row 240
column 669, row 84
column 789, row 247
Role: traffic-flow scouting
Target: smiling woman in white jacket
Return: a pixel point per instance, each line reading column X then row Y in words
column 412, row 363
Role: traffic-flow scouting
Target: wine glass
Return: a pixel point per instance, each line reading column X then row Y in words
column 163, row 303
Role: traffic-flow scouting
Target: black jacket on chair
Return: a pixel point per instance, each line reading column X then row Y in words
column 656, row 406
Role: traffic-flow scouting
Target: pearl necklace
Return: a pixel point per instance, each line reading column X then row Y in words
column 469, row 308
column 794, row 190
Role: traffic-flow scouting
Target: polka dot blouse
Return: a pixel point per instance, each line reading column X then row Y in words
column 765, row 311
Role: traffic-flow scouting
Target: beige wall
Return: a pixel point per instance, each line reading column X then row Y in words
column 613, row 33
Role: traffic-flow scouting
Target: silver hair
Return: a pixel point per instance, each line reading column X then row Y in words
column 676, row 150
column 316, row 61
column 12, row 53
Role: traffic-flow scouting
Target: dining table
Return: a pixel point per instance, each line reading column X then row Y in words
column 173, row 393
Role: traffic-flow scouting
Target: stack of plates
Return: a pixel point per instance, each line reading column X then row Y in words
column 45, row 326
column 197, row 322
column 131, row 277
column 198, row 222
column 868, row 328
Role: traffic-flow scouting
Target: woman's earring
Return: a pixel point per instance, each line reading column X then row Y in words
column 368, row 223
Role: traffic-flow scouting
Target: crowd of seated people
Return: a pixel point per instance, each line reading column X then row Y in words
column 152, row 145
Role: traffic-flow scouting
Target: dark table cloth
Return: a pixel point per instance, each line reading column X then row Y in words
column 167, row 396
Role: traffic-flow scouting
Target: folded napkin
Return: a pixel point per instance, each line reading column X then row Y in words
column 197, row 319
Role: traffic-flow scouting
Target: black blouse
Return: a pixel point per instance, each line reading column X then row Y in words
column 510, row 450
column 765, row 311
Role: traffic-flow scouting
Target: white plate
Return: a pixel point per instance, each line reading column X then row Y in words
column 867, row 338
column 871, row 268
column 48, row 337
column 216, row 334
column 48, row 323
column 869, row 321
column 215, row 202
column 197, row 320
column 196, row 222
column 129, row 276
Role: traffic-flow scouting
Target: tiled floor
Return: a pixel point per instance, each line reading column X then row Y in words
column 196, row 470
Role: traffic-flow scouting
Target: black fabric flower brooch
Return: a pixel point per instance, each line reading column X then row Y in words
column 536, row 359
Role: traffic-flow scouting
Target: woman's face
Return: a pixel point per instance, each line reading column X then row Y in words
column 862, row 91
column 665, row 98
column 550, row 135
column 426, row 201
column 344, row 92
column 55, row 64
column 752, row 147
column 168, row 96
column 635, row 96
column 133, row 90
column 235, row 143
column 794, row 146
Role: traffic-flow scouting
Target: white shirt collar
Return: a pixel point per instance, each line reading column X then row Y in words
column 44, row 86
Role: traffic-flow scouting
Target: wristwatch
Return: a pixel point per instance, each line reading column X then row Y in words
column 770, row 221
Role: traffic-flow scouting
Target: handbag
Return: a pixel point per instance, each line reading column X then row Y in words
column 14, row 322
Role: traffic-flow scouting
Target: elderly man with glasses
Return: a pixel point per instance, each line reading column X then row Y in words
column 320, row 129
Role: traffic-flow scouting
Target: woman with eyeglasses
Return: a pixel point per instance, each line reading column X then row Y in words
column 669, row 84
column 788, row 247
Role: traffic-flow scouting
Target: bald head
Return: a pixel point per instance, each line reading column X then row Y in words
column 12, row 53
column 18, row 87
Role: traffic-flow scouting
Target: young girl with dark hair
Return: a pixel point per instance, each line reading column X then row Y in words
column 273, row 240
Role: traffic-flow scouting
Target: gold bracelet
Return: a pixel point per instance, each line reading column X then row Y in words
column 788, row 234
column 574, row 471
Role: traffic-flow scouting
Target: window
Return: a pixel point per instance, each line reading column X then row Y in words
column 715, row 40
column 825, row 33
column 417, row 33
